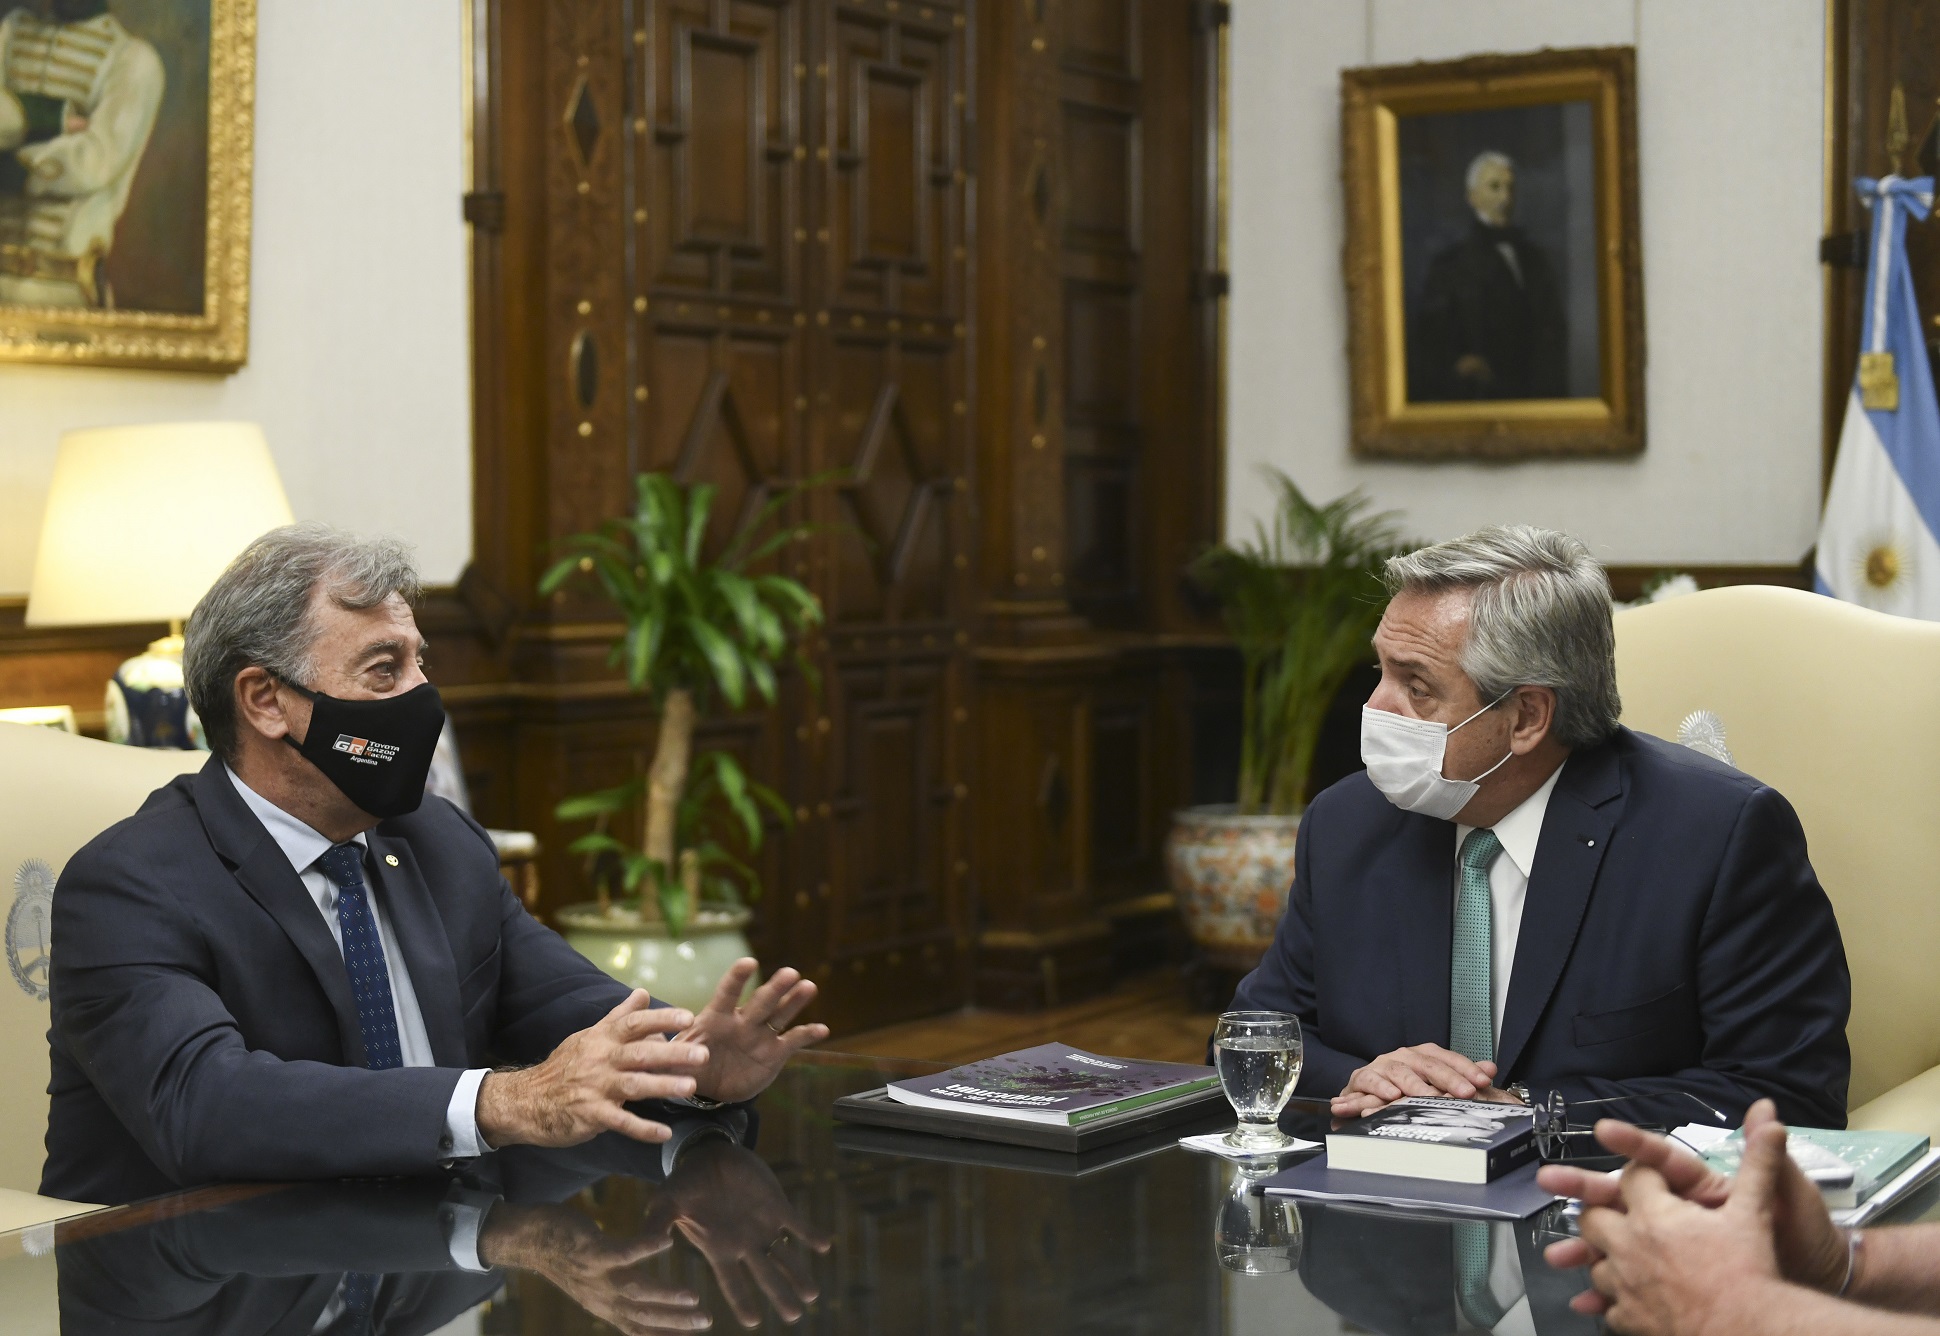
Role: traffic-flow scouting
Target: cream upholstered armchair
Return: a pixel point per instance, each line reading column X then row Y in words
column 57, row 792
column 1836, row 707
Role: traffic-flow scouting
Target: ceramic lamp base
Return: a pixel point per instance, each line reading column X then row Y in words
column 148, row 704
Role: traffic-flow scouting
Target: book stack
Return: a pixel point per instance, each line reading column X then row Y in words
column 1054, row 1085
column 1858, row 1173
column 1457, row 1157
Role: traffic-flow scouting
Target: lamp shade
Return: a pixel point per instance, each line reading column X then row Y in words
column 141, row 520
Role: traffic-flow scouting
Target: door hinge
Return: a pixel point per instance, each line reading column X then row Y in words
column 485, row 210
column 1209, row 284
column 1212, row 14
column 1843, row 250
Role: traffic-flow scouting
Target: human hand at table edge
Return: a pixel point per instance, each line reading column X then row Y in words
column 582, row 1089
column 747, row 1042
column 1811, row 1250
column 1667, row 1265
column 1424, row 1069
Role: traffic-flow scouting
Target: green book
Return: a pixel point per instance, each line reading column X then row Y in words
column 1876, row 1159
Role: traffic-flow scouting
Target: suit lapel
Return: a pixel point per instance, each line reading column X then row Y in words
column 1421, row 865
column 1583, row 809
column 270, row 880
column 427, row 950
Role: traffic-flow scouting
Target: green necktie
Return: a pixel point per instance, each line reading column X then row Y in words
column 1471, row 1026
column 1472, row 1258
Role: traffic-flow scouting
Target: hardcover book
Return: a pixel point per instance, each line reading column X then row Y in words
column 1874, row 1158
column 1053, row 1084
column 1453, row 1140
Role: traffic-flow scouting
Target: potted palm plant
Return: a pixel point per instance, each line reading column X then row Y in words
column 1301, row 601
column 669, row 913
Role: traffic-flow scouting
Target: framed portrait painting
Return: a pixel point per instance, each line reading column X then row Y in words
column 1494, row 276
column 126, row 131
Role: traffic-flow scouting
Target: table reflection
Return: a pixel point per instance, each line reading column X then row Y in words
column 411, row 1257
column 792, row 1223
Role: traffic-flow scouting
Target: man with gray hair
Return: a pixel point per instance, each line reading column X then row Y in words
column 1520, row 898
column 291, row 965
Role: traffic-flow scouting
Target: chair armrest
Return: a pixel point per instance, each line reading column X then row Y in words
column 1913, row 1106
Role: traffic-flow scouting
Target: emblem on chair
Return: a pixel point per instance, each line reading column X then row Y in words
column 1703, row 731
column 30, row 927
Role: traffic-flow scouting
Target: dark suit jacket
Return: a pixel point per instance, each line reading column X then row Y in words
column 203, row 1027
column 1674, row 938
column 1471, row 304
column 1397, row 1276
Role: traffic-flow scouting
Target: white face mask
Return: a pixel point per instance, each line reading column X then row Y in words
column 1404, row 758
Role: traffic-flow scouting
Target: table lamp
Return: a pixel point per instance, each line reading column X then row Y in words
column 140, row 521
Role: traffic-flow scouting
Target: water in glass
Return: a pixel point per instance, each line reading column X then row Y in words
column 1258, row 1056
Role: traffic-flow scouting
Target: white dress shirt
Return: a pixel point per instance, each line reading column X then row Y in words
column 1509, row 885
column 303, row 846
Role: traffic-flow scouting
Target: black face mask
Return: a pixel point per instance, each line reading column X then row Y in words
column 377, row 752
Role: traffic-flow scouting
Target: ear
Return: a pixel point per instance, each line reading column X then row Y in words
column 1535, row 714
column 262, row 706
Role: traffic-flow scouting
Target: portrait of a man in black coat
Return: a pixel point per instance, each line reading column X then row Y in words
column 1489, row 323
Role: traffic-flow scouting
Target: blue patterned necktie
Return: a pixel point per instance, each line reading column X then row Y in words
column 370, row 978
column 359, row 1293
column 1471, row 1021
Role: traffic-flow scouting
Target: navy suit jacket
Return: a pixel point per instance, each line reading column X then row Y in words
column 1674, row 938
column 203, row 1026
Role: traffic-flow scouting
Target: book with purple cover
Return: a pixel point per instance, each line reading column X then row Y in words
column 1053, row 1084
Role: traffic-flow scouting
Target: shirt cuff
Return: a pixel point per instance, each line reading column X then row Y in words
column 464, row 1215
column 461, row 1116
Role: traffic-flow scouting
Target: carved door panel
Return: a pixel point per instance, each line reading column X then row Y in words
column 796, row 297
column 890, row 422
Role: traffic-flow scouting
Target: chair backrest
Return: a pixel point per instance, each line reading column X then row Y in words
column 1835, row 707
column 57, row 792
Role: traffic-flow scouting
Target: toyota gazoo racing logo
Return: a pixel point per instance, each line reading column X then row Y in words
column 363, row 750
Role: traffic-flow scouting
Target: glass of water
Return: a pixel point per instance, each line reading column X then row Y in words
column 1258, row 1056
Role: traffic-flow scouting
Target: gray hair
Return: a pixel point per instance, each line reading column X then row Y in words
column 1539, row 616
column 257, row 613
column 1488, row 157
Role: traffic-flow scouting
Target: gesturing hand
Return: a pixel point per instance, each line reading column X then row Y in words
column 747, row 1043
column 727, row 1203
column 600, row 1274
column 581, row 1090
column 1810, row 1249
column 1666, row 1263
column 1425, row 1069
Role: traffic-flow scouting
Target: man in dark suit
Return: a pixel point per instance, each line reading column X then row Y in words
column 1489, row 321
column 292, row 966
column 1520, row 897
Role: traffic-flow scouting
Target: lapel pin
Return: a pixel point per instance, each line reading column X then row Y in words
column 1591, row 843
column 392, row 858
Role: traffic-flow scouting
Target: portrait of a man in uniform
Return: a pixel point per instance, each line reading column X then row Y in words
column 1498, row 241
column 79, row 95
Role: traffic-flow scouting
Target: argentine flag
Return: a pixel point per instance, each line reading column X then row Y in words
column 1877, row 542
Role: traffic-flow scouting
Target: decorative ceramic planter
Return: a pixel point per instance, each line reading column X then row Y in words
column 1230, row 875
column 640, row 954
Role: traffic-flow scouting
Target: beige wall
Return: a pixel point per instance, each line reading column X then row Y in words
column 1730, row 107
column 358, row 361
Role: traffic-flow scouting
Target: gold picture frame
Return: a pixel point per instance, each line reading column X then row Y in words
column 1410, row 129
column 139, row 298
